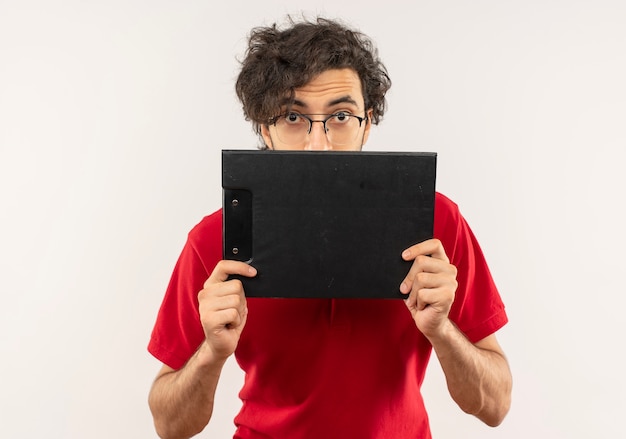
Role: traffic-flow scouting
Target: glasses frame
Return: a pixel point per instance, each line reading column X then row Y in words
column 275, row 119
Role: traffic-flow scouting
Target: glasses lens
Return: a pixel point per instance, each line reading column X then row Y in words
column 293, row 128
column 342, row 128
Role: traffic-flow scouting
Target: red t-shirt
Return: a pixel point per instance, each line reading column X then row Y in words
column 328, row 368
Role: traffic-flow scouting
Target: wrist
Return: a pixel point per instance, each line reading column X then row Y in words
column 443, row 334
column 207, row 358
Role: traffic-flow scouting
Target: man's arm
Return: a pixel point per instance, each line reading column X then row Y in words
column 478, row 375
column 182, row 401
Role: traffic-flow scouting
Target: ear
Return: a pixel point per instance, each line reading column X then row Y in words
column 265, row 133
column 368, row 125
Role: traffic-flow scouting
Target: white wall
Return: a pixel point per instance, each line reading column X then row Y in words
column 112, row 118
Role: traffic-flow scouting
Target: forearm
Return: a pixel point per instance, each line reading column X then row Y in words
column 479, row 380
column 182, row 401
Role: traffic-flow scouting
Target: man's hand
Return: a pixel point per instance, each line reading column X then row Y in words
column 431, row 285
column 223, row 308
column 182, row 400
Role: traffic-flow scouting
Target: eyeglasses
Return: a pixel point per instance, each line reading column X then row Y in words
column 341, row 128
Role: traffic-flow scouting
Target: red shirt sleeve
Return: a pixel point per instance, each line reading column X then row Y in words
column 178, row 332
column 478, row 310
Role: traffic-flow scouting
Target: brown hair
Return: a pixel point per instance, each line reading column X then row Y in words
column 279, row 60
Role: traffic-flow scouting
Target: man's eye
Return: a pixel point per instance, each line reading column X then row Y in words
column 341, row 116
column 293, row 118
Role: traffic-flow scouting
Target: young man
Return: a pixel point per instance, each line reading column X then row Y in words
column 326, row 368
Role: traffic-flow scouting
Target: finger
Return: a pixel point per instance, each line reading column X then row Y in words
column 414, row 302
column 224, row 310
column 226, row 268
column 231, row 300
column 426, row 280
column 222, row 295
column 228, row 318
column 422, row 266
column 439, row 297
column 430, row 247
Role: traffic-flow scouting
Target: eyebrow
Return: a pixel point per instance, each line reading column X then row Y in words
column 341, row 100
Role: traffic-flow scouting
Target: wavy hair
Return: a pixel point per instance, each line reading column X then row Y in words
column 279, row 60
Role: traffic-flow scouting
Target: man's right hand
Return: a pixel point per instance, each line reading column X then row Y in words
column 223, row 308
column 182, row 400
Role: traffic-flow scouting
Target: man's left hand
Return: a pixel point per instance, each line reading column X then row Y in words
column 431, row 286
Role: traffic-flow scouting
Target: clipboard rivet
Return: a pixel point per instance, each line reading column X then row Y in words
column 235, row 202
column 235, row 250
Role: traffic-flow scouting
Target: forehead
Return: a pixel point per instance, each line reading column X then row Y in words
column 330, row 88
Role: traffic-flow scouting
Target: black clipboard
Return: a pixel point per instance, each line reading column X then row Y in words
column 326, row 224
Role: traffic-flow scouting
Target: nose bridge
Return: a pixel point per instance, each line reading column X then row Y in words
column 317, row 139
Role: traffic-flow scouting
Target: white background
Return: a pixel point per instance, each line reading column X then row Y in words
column 112, row 118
